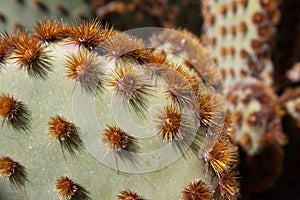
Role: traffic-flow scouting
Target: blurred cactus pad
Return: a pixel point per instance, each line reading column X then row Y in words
column 89, row 112
column 24, row 13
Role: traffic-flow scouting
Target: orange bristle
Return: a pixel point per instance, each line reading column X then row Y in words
column 179, row 89
column 84, row 68
column 130, row 85
column 128, row 195
column 30, row 55
column 157, row 65
column 49, row 30
column 168, row 123
column 115, row 137
column 14, row 112
column 13, row 170
column 197, row 190
column 228, row 185
column 194, row 83
column 7, row 166
column 124, row 49
column 65, row 132
column 89, row 34
column 220, row 155
column 208, row 109
column 5, row 48
column 68, row 189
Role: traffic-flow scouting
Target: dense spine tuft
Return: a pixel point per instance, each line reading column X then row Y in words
column 66, row 133
column 128, row 83
column 68, row 189
column 128, row 195
column 82, row 67
column 13, row 170
column 30, row 55
column 14, row 113
column 168, row 123
column 197, row 190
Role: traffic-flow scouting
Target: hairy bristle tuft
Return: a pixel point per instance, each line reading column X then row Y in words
column 89, row 34
column 49, row 30
column 7, row 166
column 157, row 65
column 115, row 137
column 129, row 84
column 14, row 113
column 30, row 55
column 228, row 185
column 194, row 83
column 84, row 68
column 5, row 48
column 220, row 155
column 197, row 190
column 179, row 89
column 128, row 195
column 168, row 123
column 123, row 145
column 68, row 189
column 13, row 170
column 207, row 109
column 124, row 49
column 66, row 133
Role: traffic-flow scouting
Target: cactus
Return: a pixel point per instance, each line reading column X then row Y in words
column 24, row 13
column 89, row 112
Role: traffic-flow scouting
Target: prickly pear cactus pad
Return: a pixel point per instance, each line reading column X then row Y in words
column 238, row 34
column 24, row 13
column 89, row 112
column 256, row 122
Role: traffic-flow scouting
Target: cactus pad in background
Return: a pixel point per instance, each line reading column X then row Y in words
column 138, row 111
column 238, row 34
column 256, row 124
column 24, row 13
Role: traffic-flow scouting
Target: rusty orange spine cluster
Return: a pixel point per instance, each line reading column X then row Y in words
column 68, row 189
column 15, row 172
column 197, row 190
column 66, row 133
column 128, row 195
column 15, row 113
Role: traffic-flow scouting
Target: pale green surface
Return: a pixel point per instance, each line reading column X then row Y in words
column 46, row 163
